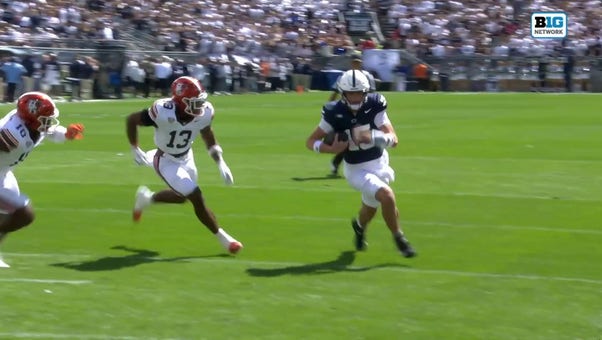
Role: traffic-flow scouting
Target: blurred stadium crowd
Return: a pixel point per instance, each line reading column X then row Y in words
column 237, row 46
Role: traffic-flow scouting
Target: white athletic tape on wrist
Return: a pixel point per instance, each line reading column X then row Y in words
column 317, row 145
column 215, row 149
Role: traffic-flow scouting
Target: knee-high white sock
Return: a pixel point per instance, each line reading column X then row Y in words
column 224, row 238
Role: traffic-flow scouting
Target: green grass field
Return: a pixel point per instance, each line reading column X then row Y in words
column 500, row 195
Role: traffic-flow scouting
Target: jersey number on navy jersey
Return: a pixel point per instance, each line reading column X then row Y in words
column 361, row 146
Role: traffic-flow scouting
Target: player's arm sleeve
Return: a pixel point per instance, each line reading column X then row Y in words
column 8, row 142
column 380, row 106
column 56, row 134
column 148, row 116
column 209, row 110
column 325, row 123
column 140, row 118
column 382, row 118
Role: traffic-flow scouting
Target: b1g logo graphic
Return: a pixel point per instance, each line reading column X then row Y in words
column 549, row 25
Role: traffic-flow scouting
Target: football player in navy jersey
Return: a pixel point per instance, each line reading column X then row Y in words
column 362, row 117
column 356, row 64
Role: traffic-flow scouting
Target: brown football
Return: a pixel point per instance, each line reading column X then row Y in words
column 329, row 139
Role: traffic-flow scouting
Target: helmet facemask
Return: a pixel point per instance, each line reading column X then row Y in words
column 47, row 123
column 353, row 82
column 194, row 106
column 353, row 103
column 189, row 95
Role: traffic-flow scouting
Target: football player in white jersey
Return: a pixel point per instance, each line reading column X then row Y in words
column 21, row 130
column 362, row 117
column 178, row 121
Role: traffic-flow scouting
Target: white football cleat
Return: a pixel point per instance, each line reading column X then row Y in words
column 3, row 264
column 228, row 242
column 234, row 247
column 144, row 198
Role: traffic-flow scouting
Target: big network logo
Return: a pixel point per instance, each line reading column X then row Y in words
column 549, row 25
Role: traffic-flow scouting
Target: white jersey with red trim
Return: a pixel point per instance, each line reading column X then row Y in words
column 15, row 137
column 171, row 136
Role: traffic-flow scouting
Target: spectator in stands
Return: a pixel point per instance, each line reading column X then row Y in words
column 28, row 81
column 198, row 71
column 179, row 69
column 76, row 70
column 568, row 66
column 422, row 76
column 134, row 75
column 542, row 71
column 13, row 73
column 148, row 66
column 163, row 71
column 90, row 77
column 51, row 71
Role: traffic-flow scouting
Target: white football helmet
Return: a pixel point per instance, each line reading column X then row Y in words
column 353, row 81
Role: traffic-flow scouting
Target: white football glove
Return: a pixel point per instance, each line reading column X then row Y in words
column 224, row 170
column 382, row 140
column 140, row 157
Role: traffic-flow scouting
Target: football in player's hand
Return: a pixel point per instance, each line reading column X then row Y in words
column 330, row 138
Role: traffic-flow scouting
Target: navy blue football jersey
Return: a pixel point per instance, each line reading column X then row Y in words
column 370, row 116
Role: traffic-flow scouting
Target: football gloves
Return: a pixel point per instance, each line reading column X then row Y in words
column 382, row 140
column 75, row 131
column 224, row 170
column 140, row 157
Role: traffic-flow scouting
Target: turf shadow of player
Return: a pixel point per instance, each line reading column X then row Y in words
column 137, row 257
column 341, row 264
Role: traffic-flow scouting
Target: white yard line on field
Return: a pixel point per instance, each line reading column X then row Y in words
column 277, row 264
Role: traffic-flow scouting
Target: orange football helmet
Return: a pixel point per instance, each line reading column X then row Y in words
column 37, row 110
column 189, row 95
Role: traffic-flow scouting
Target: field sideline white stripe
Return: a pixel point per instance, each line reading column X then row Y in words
column 68, row 282
column 422, row 271
column 333, row 189
column 27, row 335
column 271, row 264
column 340, row 219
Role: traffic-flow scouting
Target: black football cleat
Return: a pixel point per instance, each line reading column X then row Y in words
column 360, row 238
column 404, row 246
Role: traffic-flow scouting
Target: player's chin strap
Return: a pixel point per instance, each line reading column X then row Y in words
column 382, row 140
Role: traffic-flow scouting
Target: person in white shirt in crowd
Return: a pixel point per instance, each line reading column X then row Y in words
column 163, row 71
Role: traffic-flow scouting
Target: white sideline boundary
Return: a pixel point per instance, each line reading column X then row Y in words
column 271, row 264
column 28, row 335
column 340, row 219
column 338, row 189
column 51, row 281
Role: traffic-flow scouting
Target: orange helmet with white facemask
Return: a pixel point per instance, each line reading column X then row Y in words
column 38, row 111
column 189, row 95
